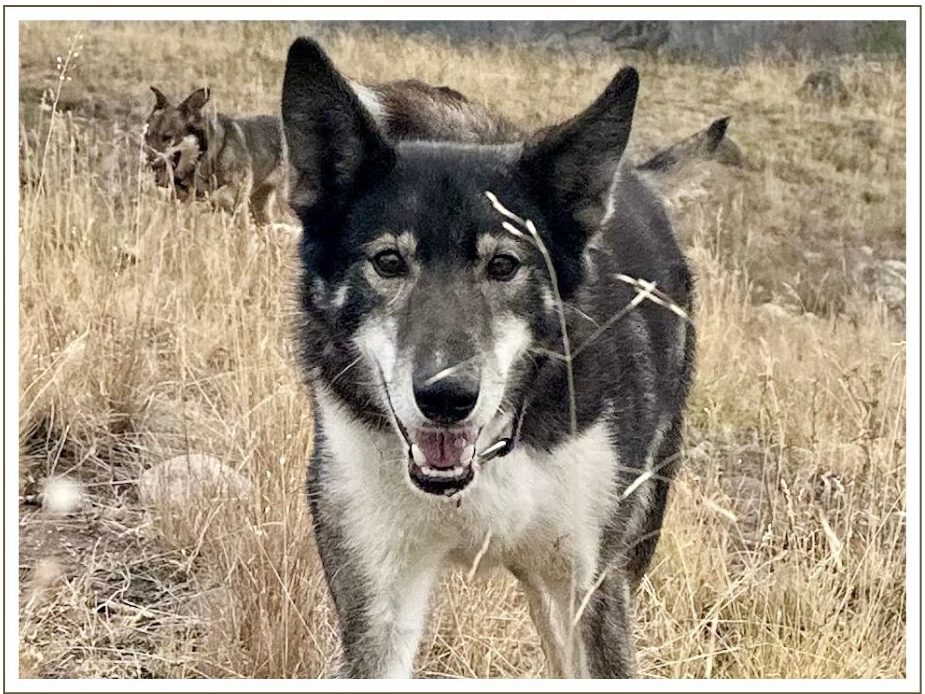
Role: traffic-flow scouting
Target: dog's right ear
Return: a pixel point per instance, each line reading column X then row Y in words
column 332, row 141
column 193, row 104
column 161, row 101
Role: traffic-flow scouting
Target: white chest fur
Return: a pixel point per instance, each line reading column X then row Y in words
column 535, row 507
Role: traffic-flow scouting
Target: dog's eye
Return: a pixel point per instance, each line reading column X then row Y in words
column 502, row 267
column 390, row 264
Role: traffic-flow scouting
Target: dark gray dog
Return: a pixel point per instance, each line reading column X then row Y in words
column 499, row 344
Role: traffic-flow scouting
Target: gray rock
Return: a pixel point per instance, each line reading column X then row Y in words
column 824, row 85
column 886, row 279
column 867, row 132
column 188, row 478
column 772, row 311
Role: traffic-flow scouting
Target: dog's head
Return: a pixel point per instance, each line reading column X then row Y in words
column 413, row 279
column 175, row 139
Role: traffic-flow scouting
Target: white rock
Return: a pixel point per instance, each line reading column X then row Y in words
column 772, row 311
column 61, row 496
column 190, row 477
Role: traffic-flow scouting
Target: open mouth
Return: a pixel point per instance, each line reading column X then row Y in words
column 440, row 461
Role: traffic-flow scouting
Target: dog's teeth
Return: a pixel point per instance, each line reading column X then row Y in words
column 443, row 473
column 418, row 455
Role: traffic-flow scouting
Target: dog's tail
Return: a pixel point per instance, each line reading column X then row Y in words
column 704, row 145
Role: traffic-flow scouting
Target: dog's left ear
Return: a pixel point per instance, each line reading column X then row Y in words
column 573, row 166
column 193, row 104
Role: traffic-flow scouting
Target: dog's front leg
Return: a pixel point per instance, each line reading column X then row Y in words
column 384, row 619
column 380, row 583
column 607, row 627
column 585, row 632
column 224, row 198
column 553, row 604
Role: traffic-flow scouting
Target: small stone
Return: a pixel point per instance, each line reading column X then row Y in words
column 824, row 85
column 867, row 132
column 772, row 311
column 61, row 496
column 188, row 477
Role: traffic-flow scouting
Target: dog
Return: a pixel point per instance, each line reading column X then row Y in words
column 234, row 159
column 499, row 344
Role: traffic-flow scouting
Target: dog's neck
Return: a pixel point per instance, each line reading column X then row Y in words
column 209, row 137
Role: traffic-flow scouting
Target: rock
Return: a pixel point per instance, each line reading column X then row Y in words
column 185, row 478
column 824, row 85
column 886, row 279
column 867, row 132
column 813, row 257
column 772, row 311
column 61, row 496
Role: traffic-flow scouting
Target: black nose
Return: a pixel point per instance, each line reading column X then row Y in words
column 446, row 395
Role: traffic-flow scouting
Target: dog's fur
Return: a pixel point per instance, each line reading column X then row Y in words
column 431, row 334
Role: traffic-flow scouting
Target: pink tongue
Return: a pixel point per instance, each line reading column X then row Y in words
column 444, row 449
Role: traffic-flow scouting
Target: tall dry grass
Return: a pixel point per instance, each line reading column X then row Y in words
column 150, row 330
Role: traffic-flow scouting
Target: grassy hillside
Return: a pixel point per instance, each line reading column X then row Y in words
column 149, row 330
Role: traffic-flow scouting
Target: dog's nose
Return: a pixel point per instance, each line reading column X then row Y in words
column 446, row 395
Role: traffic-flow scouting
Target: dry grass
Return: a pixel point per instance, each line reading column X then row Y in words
column 149, row 330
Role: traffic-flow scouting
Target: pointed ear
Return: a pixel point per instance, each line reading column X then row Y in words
column 698, row 146
column 161, row 101
column 332, row 141
column 716, row 132
column 194, row 103
column 573, row 165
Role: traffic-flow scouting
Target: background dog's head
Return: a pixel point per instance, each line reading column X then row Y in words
column 412, row 278
column 175, row 139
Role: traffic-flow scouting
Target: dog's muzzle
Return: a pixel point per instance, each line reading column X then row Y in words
column 444, row 461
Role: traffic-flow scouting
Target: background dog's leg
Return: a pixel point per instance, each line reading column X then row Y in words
column 224, row 198
column 262, row 203
column 606, row 629
column 243, row 193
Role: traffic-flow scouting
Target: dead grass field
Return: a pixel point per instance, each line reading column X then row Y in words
column 148, row 330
